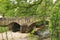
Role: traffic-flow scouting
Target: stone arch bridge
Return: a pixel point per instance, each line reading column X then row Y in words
column 6, row 21
column 15, row 24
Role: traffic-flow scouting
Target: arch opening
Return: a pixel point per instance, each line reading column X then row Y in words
column 14, row 27
column 39, row 26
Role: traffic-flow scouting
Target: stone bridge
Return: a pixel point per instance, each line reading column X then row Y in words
column 15, row 24
column 6, row 21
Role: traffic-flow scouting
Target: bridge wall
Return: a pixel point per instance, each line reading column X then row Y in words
column 6, row 21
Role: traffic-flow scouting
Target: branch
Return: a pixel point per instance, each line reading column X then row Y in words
column 31, row 5
column 35, row 3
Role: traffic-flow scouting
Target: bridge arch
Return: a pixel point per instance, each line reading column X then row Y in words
column 14, row 26
column 39, row 25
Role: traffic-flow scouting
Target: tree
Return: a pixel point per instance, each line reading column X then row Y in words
column 6, row 8
column 19, row 7
column 55, row 21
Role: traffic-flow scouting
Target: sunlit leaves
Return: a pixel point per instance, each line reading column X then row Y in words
column 55, row 21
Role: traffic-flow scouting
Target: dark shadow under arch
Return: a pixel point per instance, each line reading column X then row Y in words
column 14, row 27
column 38, row 24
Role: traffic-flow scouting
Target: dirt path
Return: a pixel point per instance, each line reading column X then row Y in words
column 13, row 36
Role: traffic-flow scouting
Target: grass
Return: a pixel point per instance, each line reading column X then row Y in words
column 33, row 37
column 3, row 29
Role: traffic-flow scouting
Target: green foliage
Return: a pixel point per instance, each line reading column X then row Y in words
column 3, row 29
column 21, row 8
column 33, row 37
column 55, row 22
